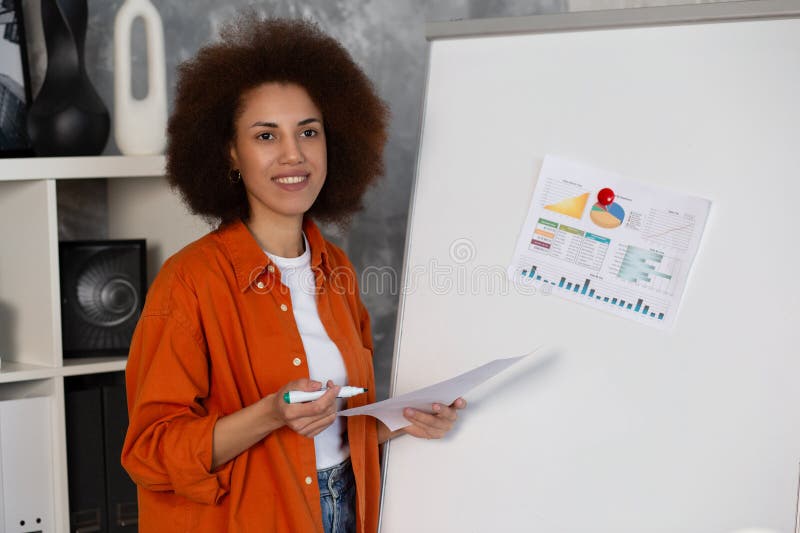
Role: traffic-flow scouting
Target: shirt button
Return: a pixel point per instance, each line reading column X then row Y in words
column 284, row 307
column 260, row 284
column 271, row 268
column 309, row 480
column 296, row 361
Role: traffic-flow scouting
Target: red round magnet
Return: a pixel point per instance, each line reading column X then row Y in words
column 605, row 197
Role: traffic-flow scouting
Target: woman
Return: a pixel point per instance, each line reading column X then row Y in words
column 272, row 126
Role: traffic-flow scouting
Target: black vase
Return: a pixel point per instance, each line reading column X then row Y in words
column 67, row 116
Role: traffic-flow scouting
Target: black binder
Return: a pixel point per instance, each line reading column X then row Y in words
column 102, row 497
column 120, row 490
column 85, row 460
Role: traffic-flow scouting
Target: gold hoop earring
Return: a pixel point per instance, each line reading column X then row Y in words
column 234, row 176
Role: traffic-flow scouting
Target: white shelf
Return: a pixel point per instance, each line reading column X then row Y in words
column 141, row 204
column 110, row 166
column 12, row 371
column 93, row 365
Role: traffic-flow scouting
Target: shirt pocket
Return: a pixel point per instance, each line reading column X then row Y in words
column 276, row 360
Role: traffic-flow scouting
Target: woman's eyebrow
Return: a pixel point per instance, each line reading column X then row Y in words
column 303, row 122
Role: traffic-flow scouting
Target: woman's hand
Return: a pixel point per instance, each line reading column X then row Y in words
column 236, row 432
column 310, row 418
column 426, row 425
column 436, row 425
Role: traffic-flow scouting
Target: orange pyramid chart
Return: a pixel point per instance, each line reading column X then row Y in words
column 572, row 207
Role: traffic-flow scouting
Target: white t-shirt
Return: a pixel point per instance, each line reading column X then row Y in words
column 324, row 359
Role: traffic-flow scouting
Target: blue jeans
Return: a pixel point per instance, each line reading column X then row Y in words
column 337, row 495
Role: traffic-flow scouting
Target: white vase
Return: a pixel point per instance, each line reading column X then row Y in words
column 139, row 124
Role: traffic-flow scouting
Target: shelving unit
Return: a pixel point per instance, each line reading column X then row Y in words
column 140, row 205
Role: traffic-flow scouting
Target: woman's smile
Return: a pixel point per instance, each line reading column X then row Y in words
column 292, row 182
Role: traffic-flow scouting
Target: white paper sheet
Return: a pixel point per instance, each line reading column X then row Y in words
column 390, row 411
column 631, row 258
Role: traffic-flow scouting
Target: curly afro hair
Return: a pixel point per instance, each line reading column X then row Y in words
column 253, row 51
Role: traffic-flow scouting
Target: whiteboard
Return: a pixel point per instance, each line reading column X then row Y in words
column 616, row 427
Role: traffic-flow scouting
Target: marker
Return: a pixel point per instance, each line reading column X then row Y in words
column 605, row 197
column 299, row 396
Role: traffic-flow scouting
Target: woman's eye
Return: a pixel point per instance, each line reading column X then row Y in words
column 309, row 133
column 266, row 136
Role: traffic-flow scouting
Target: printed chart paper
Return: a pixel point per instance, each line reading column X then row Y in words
column 599, row 239
column 390, row 411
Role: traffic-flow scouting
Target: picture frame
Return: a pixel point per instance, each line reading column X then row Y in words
column 15, row 86
column 103, row 284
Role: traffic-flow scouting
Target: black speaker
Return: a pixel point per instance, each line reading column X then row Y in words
column 103, row 284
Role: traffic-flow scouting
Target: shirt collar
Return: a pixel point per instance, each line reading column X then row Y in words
column 319, row 248
column 249, row 260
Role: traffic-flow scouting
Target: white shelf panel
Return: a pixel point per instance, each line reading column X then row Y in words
column 30, row 328
column 92, row 365
column 12, row 371
column 109, row 166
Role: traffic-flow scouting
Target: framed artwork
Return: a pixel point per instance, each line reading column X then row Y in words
column 15, row 91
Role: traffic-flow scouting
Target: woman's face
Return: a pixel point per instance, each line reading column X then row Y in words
column 279, row 148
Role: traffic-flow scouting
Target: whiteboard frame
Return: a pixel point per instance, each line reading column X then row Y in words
column 722, row 12
column 616, row 18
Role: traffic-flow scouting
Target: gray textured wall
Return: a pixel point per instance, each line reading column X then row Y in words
column 385, row 36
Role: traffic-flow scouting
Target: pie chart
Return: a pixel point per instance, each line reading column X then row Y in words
column 607, row 217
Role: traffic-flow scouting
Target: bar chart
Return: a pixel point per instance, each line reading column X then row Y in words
column 598, row 293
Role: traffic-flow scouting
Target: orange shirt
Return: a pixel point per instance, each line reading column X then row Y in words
column 217, row 333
